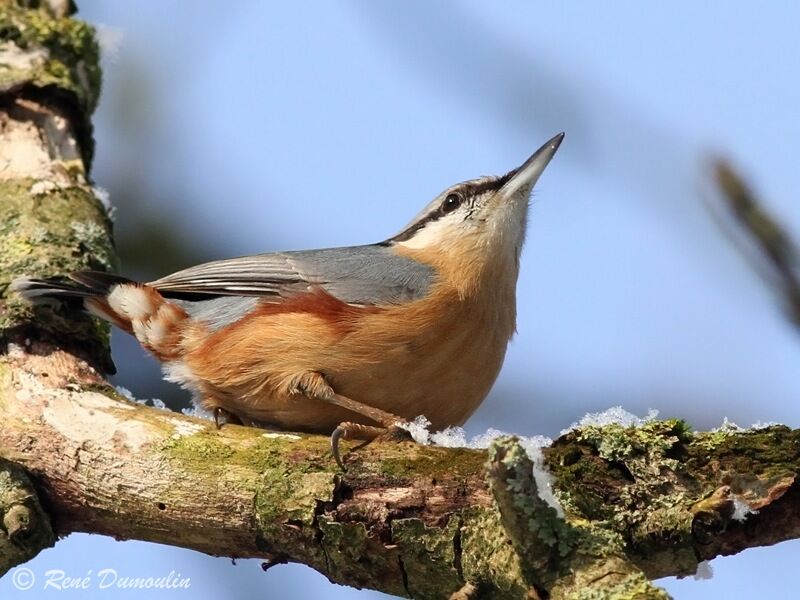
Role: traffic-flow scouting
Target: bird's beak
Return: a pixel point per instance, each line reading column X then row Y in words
column 526, row 176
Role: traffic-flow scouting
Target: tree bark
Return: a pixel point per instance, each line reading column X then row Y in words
column 410, row 520
column 417, row 521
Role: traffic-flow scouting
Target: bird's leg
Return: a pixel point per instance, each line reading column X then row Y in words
column 313, row 385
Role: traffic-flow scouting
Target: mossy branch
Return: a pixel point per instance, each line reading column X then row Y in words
column 423, row 522
column 411, row 520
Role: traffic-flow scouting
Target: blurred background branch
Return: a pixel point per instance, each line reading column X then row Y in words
column 778, row 260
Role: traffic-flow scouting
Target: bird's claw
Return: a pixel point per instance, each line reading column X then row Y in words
column 368, row 433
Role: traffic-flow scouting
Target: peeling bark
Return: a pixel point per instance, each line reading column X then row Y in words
column 422, row 522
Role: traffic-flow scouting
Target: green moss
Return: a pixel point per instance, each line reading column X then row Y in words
column 656, row 484
column 630, row 480
column 775, row 450
column 618, row 443
column 264, row 464
column 24, row 526
column 770, row 444
column 71, row 57
column 282, row 499
column 356, row 558
column 108, row 391
column 538, row 534
column 408, row 461
column 52, row 234
column 622, row 583
column 208, row 452
column 49, row 234
column 488, row 555
column 429, row 557
column 201, row 451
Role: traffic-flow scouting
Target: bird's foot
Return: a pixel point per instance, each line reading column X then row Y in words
column 368, row 433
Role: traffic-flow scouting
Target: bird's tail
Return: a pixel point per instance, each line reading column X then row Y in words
column 83, row 284
column 89, row 289
column 134, row 307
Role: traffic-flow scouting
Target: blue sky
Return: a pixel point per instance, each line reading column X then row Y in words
column 274, row 126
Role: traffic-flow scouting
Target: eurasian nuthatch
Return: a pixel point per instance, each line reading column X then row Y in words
column 344, row 340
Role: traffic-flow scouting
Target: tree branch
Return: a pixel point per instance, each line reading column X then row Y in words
column 411, row 520
column 406, row 519
column 780, row 264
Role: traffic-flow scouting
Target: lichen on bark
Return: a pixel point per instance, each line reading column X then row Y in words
column 24, row 526
column 670, row 491
column 52, row 57
column 51, row 222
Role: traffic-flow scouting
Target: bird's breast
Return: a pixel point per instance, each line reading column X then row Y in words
column 437, row 357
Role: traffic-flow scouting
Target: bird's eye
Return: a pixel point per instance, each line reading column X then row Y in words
column 451, row 202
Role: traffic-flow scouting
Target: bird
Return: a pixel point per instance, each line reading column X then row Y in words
column 353, row 342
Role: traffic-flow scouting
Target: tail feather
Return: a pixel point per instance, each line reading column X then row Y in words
column 98, row 281
column 133, row 307
column 83, row 284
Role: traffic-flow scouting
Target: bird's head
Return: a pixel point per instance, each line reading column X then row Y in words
column 478, row 222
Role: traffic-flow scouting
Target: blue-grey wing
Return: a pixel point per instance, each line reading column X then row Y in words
column 362, row 275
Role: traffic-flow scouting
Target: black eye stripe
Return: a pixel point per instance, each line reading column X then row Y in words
column 467, row 192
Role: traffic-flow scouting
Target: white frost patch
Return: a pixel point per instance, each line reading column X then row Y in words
column 418, row 428
column 198, row 412
column 731, row 427
column 727, row 427
column 110, row 40
column 284, row 436
column 616, row 415
column 128, row 395
column 763, row 425
column 125, row 392
column 454, row 437
column 704, row 571
column 741, row 509
column 104, row 198
column 544, row 480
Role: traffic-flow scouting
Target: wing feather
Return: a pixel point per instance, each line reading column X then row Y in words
column 363, row 275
